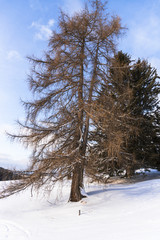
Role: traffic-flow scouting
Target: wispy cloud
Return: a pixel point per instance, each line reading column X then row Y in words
column 11, row 153
column 5, row 160
column 43, row 32
column 14, row 55
column 146, row 36
column 10, row 162
column 35, row 5
column 143, row 35
column 72, row 6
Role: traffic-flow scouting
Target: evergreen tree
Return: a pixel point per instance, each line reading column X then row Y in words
column 109, row 153
column 65, row 84
column 145, row 105
column 132, row 118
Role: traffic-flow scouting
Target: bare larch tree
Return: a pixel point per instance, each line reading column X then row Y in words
column 64, row 84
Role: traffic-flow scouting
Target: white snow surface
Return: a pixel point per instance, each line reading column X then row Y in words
column 114, row 212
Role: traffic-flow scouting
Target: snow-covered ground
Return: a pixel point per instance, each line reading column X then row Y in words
column 113, row 212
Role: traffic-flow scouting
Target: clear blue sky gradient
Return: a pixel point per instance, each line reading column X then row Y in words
column 25, row 26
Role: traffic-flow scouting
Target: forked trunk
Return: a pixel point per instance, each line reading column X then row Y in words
column 77, row 183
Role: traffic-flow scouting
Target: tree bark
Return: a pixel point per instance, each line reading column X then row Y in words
column 77, row 177
column 130, row 171
column 77, row 183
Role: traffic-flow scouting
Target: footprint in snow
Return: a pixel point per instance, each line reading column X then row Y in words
column 11, row 231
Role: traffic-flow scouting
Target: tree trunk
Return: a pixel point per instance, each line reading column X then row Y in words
column 130, row 171
column 77, row 183
column 77, row 178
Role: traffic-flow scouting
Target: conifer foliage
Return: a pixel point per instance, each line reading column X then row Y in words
column 145, row 105
column 129, row 120
column 65, row 84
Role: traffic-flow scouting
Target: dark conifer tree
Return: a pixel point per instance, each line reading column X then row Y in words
column 109, row 153
column 145, row 105
column 134, row 89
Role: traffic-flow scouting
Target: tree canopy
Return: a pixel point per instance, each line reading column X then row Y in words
column 93, row 110
column 127, row 136
column 65, row 84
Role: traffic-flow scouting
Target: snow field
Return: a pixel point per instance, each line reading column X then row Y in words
column 114, row 212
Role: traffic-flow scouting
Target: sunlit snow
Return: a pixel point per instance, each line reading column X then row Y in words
column 129, row 211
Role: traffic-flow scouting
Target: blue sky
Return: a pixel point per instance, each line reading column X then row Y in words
column 26, row 25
